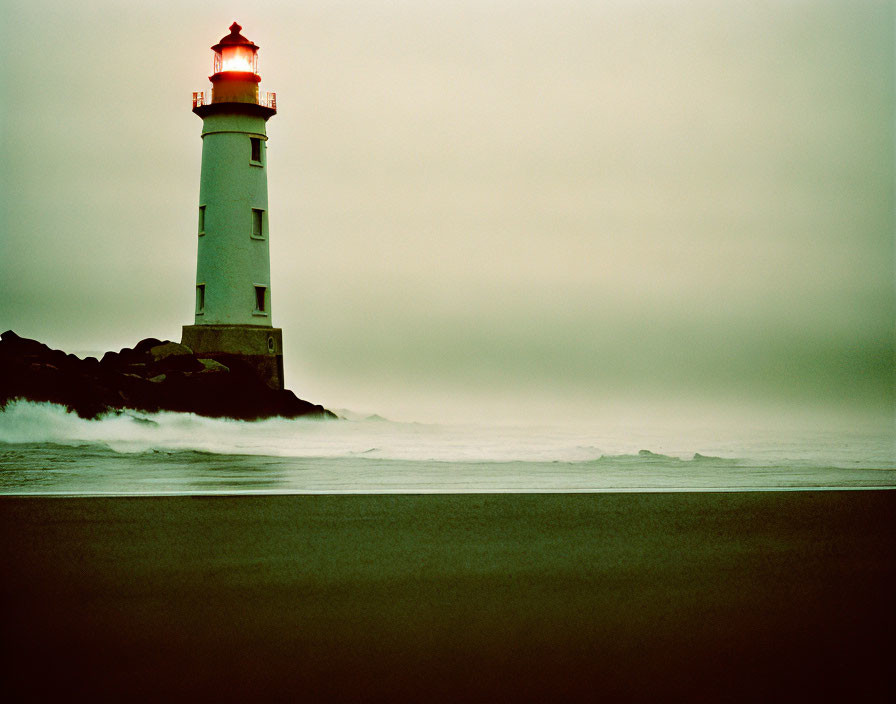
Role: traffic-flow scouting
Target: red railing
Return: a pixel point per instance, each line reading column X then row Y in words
column 268, row 100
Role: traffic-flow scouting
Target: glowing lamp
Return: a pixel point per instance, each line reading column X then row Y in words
column 238, row 58
column 235, row 53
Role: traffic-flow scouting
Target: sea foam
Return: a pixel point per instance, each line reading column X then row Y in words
column 24, row 422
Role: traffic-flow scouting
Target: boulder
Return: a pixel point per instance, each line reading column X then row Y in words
column 146, row 345
column 168, row 349
column 110, row 359
column 212, row 365
column 22, row 345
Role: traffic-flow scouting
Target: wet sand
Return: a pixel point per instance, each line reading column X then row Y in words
column 712, row 596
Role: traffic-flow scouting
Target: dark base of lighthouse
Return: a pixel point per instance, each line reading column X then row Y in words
column 259, row 347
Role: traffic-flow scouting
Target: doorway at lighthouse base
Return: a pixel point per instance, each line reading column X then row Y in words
column 261, row 348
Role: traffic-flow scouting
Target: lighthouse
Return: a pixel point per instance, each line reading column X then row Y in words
column 233, row 270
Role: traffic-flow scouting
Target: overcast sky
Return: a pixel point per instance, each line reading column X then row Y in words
column 507, row 209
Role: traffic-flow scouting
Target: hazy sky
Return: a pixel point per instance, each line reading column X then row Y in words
column 496, row 208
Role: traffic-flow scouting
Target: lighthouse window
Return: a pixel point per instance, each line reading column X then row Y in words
column 260, row 295
column 257, row 223
column 256, row 149
column 201, row 219
column 200, row 298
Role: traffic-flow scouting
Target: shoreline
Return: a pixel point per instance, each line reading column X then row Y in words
column 533, row 597
column 449, row 492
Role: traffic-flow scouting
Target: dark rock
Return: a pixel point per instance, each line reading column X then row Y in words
column 169, row 349
column 179, row 363
column 146, row 345
column 22, row 345
column 154, row 375
column 127, row 355
column 212, row 365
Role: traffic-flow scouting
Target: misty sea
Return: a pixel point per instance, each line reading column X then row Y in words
column 48, row 451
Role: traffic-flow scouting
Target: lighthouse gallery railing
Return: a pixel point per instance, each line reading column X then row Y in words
column 267, row 99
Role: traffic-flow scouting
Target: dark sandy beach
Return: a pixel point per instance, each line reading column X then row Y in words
column 711, row 596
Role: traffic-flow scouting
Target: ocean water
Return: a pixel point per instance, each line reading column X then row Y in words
column 46, row 450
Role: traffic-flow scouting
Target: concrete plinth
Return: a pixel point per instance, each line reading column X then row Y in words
column 259, row 347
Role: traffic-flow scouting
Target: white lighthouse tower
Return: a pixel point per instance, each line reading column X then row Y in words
column 233, row 272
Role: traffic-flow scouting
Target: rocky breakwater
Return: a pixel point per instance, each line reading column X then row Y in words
column 155, row 375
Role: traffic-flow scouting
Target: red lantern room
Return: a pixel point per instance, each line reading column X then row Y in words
column 235, row 78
